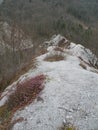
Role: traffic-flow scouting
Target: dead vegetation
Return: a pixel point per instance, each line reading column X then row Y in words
column 67, row 127
column 83, row 66
column 55, row 57
column 59, row 49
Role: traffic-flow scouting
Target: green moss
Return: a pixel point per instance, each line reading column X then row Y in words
column 68, row 128
column 4, row 113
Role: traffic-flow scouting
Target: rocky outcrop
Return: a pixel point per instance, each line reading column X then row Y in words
column 13, row 38
column 70, row 93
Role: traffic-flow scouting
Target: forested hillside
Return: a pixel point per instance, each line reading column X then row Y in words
column 76, row 19
column 16, row 50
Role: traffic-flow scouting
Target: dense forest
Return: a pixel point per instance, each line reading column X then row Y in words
column 77, row 20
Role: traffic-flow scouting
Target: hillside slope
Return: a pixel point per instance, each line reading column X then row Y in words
column 77, row 19
column 13, row 39
column 70, row 93
column 16, row 48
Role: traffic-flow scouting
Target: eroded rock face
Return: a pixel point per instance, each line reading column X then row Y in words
column 12, row 36
column 84, row 54
column 56, row 40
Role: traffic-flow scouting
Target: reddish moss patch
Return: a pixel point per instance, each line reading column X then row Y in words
column 26, row 92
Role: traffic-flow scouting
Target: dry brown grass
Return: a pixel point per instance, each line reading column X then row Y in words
column 83, row 66
column 53, row 58
column 59, row 49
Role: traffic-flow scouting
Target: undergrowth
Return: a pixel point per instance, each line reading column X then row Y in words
column 10, row 79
